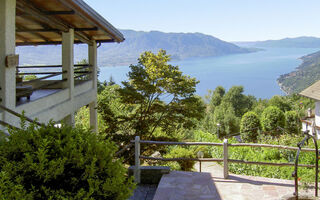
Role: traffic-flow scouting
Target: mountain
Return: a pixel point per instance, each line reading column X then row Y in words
column 298, row 42
column 304, row 76
column 179, row 45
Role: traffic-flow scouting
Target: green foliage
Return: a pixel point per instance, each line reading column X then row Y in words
column 82, row 119
column 274, row 156
column 240, row 102
column 301, row 104
column 160, row 95
column 224, row 115
column 179, row 152
column 280, row 102
column 60, row 163
column 259, row 106
column 249, row 127
column 259, row 154
column 224, row 110
column 29, row 77
column 115, row 115
column 271, row 119
column 292, row 123
column 216, row 98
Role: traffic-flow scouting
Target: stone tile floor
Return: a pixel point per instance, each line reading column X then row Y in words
column 210, row 184
column 144, row 192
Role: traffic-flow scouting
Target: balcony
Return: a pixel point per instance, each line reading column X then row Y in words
column 51, row 94
column 48, row 80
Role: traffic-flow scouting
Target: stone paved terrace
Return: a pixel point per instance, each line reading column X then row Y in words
column 144, row 192
column 210, row 185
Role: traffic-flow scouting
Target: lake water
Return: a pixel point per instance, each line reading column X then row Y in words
column 257, row 72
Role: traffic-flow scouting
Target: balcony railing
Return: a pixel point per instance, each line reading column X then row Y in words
column 47, row 77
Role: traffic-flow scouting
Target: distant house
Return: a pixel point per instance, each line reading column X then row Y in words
column 312, row 121
column 58, row 90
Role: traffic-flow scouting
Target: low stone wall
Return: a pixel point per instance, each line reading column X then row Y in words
column 151, row 174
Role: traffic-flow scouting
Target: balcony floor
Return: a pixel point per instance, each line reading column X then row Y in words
column 38, row 94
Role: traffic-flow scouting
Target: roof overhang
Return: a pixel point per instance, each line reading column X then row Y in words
column 40, row 22
column 312, row 92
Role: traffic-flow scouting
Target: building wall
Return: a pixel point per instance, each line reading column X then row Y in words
column 308, row 127
column 317, row 113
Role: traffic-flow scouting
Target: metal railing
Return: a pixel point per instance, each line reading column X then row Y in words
column 295, row 173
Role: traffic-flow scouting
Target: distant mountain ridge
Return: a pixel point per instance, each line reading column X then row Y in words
column 179, row 45
column 298, row 42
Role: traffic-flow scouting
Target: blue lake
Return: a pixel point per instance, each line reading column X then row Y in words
column 257, row 72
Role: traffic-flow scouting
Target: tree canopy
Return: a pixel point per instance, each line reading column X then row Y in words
column 161, row 96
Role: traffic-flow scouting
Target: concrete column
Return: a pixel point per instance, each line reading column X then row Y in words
column 92, row 54
column 93, row 116
column 317, row 113
column 225, row 159
column 137, row 172
column 69, row 120
column 68, row 66
column 7, row 47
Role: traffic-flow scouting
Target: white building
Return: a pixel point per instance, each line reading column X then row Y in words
column 60, row 90
column 312, row 121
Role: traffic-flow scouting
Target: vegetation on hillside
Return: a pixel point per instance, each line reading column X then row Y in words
column 142, row 107
column 304, row 76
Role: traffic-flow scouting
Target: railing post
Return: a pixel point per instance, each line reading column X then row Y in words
column 137, row 172
column 225, row 159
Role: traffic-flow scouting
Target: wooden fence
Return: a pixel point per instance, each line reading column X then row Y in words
column 225, row 158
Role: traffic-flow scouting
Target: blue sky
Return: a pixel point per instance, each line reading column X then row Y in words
column 230, row 20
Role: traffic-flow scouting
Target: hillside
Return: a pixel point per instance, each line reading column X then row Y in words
column 179, row 45
column 299, row 42
column 304, row 76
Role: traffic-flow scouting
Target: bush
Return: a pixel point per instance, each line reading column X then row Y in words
column 249, row 127
column 271, row 119
column 292, row 123
column 66, row 163
column 280, row 102
column 179, row 152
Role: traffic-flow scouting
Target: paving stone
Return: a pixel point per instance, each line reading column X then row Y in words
column 211, row 185
column 144, row 192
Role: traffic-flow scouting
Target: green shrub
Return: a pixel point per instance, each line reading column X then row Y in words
column 249, row 127
column 271, row 119
column 280, row 102
column 179, row 152
column 292, row 123
column 66, row 163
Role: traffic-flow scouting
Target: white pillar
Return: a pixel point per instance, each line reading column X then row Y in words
column 317, row 113
column 7, row 47
column 225, row 159
column 69, row 120
column 93, row 116
column 92, row 54
column 68, row 66
column 137, row 172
